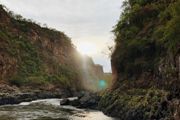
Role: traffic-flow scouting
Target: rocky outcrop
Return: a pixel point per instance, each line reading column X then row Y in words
column 84, row 100
column 14, row 95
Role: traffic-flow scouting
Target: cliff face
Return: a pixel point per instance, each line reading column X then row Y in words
column 147, row 42
column 146, row 62
column 91, row 74
column 35, row 56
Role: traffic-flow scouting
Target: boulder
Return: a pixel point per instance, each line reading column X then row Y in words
column 65, row 101
column 85, row 100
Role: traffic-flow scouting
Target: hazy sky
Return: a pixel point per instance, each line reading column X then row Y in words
column 88, row 21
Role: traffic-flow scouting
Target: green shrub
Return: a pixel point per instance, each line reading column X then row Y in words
column 139, row 104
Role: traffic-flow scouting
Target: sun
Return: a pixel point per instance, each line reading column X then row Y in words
column 87, row 48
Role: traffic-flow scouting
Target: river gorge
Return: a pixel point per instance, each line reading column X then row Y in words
column 48, row 109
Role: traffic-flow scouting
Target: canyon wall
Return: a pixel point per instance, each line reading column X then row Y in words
column 39, row 57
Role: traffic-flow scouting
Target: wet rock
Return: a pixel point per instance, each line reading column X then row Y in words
column 85, row 100
column 65, row 101
column 89, row 101
column 75, row 103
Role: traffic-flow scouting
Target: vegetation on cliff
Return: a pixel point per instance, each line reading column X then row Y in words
column 31, row 55
column 147, row 33
column 145, row 61
column 42, row 58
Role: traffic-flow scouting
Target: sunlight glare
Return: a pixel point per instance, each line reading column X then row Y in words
column 87, row 48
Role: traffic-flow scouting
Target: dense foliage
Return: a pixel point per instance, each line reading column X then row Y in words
column 147, row 32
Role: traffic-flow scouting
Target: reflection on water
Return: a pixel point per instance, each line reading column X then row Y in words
column 48, row 109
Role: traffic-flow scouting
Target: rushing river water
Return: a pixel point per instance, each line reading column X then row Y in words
column 48, row 109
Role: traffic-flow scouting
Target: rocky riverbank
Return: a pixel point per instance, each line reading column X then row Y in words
column 14, row 95
column 26, row 97
column 84, row 100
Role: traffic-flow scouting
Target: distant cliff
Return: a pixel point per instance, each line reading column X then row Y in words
column 91, row 73
column 38, row 57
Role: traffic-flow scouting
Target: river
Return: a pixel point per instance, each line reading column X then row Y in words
column 48, row 109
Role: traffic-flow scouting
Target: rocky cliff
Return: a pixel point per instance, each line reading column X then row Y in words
column 146, row 62
column 147, row 42
column 38, row 57
column 91, row 74
column 32, row 55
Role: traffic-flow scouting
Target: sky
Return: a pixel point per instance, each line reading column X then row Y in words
column 86, row 22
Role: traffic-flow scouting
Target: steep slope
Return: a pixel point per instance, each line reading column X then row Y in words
column 146, row 62
column 34, row 56
column 38, row 57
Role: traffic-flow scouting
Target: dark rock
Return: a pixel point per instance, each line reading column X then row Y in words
column 89, row 101
column 85, row 100
column 65, row 102
column 75, row 103
column 26, row 97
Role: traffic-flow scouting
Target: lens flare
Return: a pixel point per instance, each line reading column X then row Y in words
column 102, row 84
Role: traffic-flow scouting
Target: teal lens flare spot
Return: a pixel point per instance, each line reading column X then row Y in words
column 102, row 84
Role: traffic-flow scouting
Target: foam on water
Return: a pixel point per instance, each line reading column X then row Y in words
column 49, row 109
